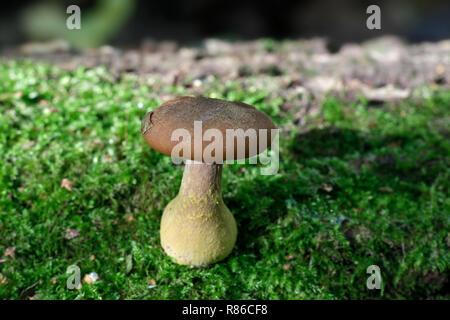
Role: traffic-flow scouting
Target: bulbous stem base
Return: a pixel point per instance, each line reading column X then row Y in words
column 196, row 227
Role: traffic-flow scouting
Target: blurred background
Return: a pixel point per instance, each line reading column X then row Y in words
column 126, row 23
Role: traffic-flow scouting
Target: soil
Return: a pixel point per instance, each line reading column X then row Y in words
column 299, row 71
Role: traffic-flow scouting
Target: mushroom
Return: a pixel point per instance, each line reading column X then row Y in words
column 196, row 226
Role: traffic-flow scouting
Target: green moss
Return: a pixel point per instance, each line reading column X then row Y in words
column 361, row 186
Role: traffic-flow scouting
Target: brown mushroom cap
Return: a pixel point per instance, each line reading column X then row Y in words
column 158, row 125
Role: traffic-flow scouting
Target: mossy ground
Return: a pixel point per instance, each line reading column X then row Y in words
column 358, row 185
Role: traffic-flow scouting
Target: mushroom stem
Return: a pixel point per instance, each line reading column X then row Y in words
column 196, row 227
column 201, row 179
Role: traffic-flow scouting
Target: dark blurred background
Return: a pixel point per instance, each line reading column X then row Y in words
column 127, row 22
